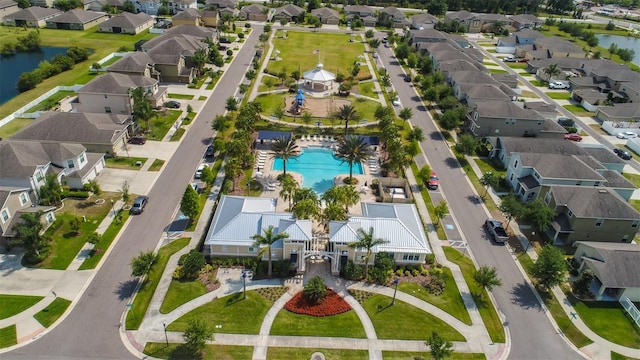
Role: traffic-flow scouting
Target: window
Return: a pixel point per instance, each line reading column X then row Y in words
column 39, row 176
column 547, row 198
column 536, row 175
column 475, row 115
column 5, row 215
column 511, row 177
column 70, row 164
column 50, row 217
column 635, row 223
column 105, row 96
column 107, row 109
column 81, row 158
column 251, row 249
column 225, row 248
column 540, row 122
column 599, row 222
column 23, row 199
column 569, row 213
column 411, row 257
column 579, row 182
column 515, row 164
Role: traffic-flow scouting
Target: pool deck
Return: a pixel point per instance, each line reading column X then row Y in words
column 268, row 178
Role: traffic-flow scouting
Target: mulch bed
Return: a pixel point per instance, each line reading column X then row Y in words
column 209, row 279
column 333, row 304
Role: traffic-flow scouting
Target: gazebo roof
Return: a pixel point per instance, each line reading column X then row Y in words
column 319, row 74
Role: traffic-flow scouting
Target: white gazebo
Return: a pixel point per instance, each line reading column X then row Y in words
column 319, row 76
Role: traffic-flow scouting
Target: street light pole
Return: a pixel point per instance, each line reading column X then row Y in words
column 533, row 233
column 395, row 282
column 166, row 339
column 244, row 284
column 113, row 208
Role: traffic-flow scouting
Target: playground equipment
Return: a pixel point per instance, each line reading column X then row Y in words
column 298, row 104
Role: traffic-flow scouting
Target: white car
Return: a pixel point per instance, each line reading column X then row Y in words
column 396, row 102
column 557, row 85
column 509, row 58
column 199, row 170
column 626, row 135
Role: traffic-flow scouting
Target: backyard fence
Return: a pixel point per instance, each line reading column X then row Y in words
column 632, row 310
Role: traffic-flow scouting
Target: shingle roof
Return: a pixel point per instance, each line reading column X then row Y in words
column 173, row 48
column 116, row 83
column 20, row 159
column 77, row 16
column 593, row 202
column 554, row 166
column 393, row 11
column 603, row 155
column 33, row 13
column 471, row 77
column 616, row 180
column 7, row 3
column 127, row 20
column 524, row 18
column 423, row 18
column 325, row 12
column 289, row 9
column 461, row 65
column 540, row 106
column 461, row 15
column 135, row 62
column 200, row 32
column 539, row 145
column 188, row 14
column 80, row 128
column 493, row 18
column 500, row 109
column 629, row 110
column 621, row 265
column 253, row 9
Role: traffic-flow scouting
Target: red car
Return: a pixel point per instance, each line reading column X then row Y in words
column 573, row 137
column 433, row 182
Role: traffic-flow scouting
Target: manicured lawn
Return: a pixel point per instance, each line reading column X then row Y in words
column 180, row 96
column 301, row 353
column 124, row 162
column 105, row 242
column 158, row 127
column 8, row 336
column 609, row 320
column 343, row 325
column 15, row 304
column 616, row 356
column 178, row 134
column 634, row 178
column 635, row 204
column 51, row 101
column 392, row 322
column 578, row 110
column 430, row 206
column 202, row 98
column 157, row 165
column 211, row 352
column 498, row 71
column 13, row 127
column 181, row 292
column 367, row 89
column 517, row 65
column 336, row 52
column 144, row 295
column 539, row 83
column 559, row 95
column 51, row 313
column 488, row 313
column 235, row 314
column 450, row 300
column 486, row 166
column 402, row 355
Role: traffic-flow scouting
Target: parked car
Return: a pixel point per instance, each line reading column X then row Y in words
column 509, row 58
column 523, row 60
column 496, row 230
column 433, row 181
column 172, row 104
column 573, row 137
column 195, row 187
column 387, row 45
column 396, row 101
column 558, row 85
column 138, row 205
column 211, row 150
column 626, row 135
column 407, row 77
column 375, row 55
column 623, row 154
column 199, row 170
column 138, row 140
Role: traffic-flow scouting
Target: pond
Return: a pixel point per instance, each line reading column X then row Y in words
column 15, row 65
column 623, row 42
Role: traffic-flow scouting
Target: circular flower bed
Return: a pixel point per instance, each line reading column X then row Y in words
column 333, row 304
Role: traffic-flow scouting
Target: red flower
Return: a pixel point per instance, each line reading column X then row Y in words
column 333, row 304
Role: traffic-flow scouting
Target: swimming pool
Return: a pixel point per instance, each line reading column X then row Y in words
column 318, row 167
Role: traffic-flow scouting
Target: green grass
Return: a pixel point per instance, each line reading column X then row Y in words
column 489, row 63
column 430, row 206
column 450, row 300
column 525, row 73
column 635, row 204
column 485, row 165
column 13, row 127
column 211, row 352
column 498, row 71
column 51, row 313
column 8, row 336
column 178, row 134
column 336, row 52
column 181, row 292
column 124, row 162
column 539, row 83
column 111, row 61
column 367, row 89
column 15, row 304
column 156, row 165
column 616, row 356
column 634, row 178
column 342, row 325
column 609, row 320
column 235, row 314
column 51, row 101
column 144, row 295
column 488, row 313
column 394, row 322
column 180, row 96
column 158, row 127
column 578, row 110
column 303, row 353
column 202, row 98
column 403, row 355
column 517, row 65
column 563, row 95
column 105, row 242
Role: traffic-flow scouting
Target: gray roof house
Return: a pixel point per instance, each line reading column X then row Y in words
column 33, row 16
column 547, row 110
column 327, row 15
column 616, row 268
column 525, row 21
column 221, row 4
column 423, row 21
column 398, row 224
column 76, row 19
column 629, row 112
column 397, row 16
column 254, row 12
column 449, row 67
column 127, row 23
column 15, row 201
column 472, row 23
column 111, row 93
column 289, row 12
column 360, row 10
column 136, row 63
column 505, row 118
column 8, row 7
column 98, row 133
column 473, row 94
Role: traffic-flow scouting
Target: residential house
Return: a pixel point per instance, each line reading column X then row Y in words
column 327, row 15
column 76, row 19
column 15, row 201
column 173, row 58
column 98, row 133
column 136, row 63
column 449, row 67
column 25, row 164
column 238, row 218
column 111, row 93
column 511, row 81
column 616, row 268
column 470, row 21
column 222, row 4
column 525, row 21
column 629, row 113
column 361, row 10
column 98, row 5
column 254, row 12
column 473, row 94
column 614, row 81
column 187, row 17
column 427, row 36
column 221, row 13
column 198, row 32
column 423, row 21
column 42, row 3
column 398, row 224
column 211, row 18
column 290, row 13
column 127, row 23
column 504, row 118
column 149, row 7
column 586, row 213
column 549, row 47
column 175, row 6
column 33, row 16
column 548, row 111
column 8, row 7
column 397, row 16
column 488, row 21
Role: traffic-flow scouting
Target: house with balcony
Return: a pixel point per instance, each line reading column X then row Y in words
column 127, row 23
column 585, row 213
column 505, row 118
column 76, row 19
column 327, row 15
column 34, row 17
column 15, row 201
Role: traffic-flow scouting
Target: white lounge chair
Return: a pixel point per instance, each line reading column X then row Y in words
column 315, row 137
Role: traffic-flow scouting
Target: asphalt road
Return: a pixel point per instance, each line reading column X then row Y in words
column 91, row 331
column 532, row 334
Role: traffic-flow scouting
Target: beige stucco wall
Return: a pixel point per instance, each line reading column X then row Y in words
column 96, row 103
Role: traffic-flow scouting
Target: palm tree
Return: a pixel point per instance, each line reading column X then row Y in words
column 346, row 113
column 199, row 59
column 29, row 232
column 486, row 277
column 415, row 134
column 353, row 149
column 343, row 195
column 552, row 70
column 267, row 241
column 366, row 241
column 286, row 149
column 406, row 114
column 289, row 187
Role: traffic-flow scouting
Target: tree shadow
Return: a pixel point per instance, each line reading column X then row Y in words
column 522, row 295
column 382, row 308
column 452, row 162
column 125, row 289
column 239, row 296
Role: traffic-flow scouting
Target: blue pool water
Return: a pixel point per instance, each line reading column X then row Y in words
column 318, row 167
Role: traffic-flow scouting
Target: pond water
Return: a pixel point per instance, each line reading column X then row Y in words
column 623, row 42
column 13, row 66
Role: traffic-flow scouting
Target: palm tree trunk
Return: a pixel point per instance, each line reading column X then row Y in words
column 269, row 267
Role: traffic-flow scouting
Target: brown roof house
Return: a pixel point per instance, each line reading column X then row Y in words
column 254, row 12
column 327, row 15
column 33, row 16
column 76, row 19
column 505, row 118
column 98, row 133
column 127, row 23
column 173, row 57
column 187, row 17
column 15, row 201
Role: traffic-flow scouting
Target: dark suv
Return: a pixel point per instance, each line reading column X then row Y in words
column 139, row 140
column 138, row 205
column 623, row 154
